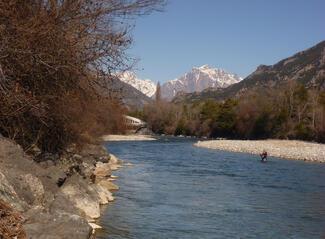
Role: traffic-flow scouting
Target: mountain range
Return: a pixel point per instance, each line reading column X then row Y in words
column 306, row 67
column 197, row 80
column 147, row 87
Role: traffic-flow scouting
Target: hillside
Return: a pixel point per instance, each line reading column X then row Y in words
column 130, row 96
column 306, row 67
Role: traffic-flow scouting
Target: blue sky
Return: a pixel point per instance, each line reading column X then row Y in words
column 236, row 35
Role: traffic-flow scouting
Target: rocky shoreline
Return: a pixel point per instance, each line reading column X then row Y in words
column 58, row 196
column 288, row 149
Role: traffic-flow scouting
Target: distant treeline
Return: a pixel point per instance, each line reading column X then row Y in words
column 289, row 112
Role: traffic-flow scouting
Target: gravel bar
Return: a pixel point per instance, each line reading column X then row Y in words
column 288, row 149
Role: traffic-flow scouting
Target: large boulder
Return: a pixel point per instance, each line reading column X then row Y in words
column 62, row 203
column 57, row 225
column 9, row 195
column 36, row 188
column 18, row 184
column 82, row 196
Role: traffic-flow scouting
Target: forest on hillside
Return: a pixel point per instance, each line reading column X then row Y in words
column 289, row 112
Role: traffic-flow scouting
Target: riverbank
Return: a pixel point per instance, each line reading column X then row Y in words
column 288, row 149
column 55, row 196
column 133, row 137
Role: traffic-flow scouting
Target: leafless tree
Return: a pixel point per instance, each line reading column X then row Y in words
column 53, row 49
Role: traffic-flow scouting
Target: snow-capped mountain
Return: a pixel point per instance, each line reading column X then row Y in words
column 197, row 80
column 147, row 87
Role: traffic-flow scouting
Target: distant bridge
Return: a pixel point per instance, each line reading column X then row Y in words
column 134, row 124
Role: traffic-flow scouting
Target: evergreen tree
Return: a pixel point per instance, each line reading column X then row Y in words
column 158, row 92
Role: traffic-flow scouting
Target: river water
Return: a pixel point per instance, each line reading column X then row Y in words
column 175, row 190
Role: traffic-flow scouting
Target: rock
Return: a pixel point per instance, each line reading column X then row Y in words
column 22, row 180
column 115, row 167
column 104, row 159
column 57, row 175
column 109, row 185
column 105, row 196
column 10, row 148
column 59, row 225
column 36, row 188
column 47, row 157
column 88, row 169
column 46, row 164
column 53, row 212
column 102, row 170
column 114, row 163
column 82, row 196
column 94, row 227
column 35, row 151
column 96, row 151
column 113, row 159
column 73, row 169
column 9, row 195
column 77, row 157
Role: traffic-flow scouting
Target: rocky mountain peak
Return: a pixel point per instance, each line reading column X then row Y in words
column 197, row 80
column 145, row 86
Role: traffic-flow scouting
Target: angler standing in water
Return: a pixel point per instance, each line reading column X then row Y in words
column 263, row 156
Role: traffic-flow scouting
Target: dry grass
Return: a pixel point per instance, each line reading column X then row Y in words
column 10, row 223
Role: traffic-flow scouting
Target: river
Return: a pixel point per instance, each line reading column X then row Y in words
column 175, row 190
